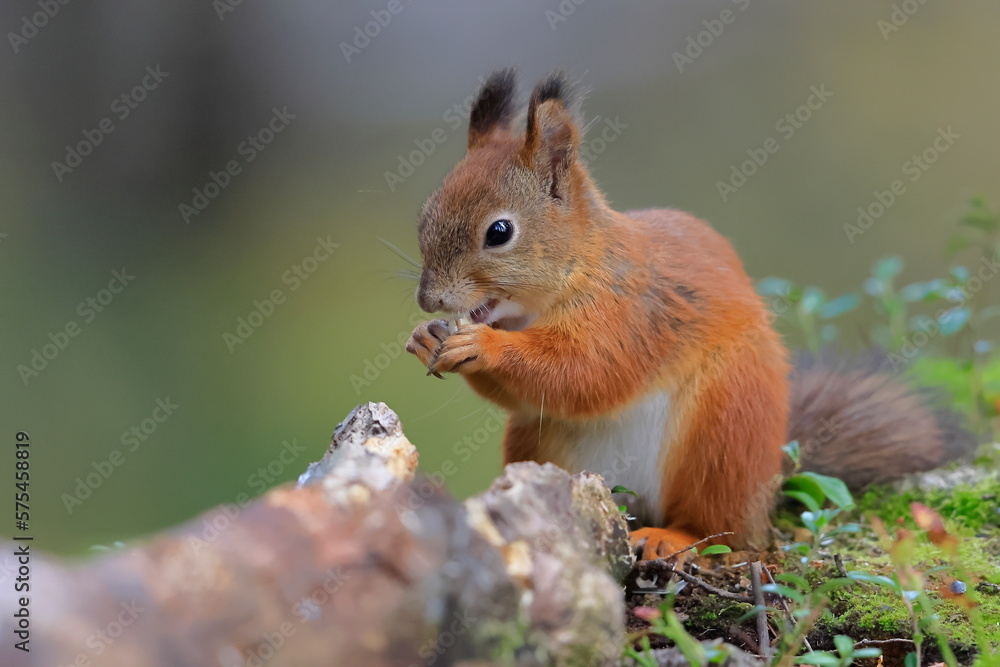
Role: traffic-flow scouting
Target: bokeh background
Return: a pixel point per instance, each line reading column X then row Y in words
column 358, row 112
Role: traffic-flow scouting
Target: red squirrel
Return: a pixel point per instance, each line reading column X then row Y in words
column 634, row 344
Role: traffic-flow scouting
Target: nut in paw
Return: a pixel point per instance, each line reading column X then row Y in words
column 461, row 352
column 427, row 339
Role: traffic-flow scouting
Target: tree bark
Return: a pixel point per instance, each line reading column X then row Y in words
column 361, row 563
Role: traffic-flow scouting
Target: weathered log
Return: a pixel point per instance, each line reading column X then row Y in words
column 360, row 564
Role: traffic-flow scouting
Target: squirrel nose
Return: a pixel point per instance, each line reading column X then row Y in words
column 429, row 299
column 429, row 304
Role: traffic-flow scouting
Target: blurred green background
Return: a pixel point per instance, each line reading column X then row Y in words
column 335, row 339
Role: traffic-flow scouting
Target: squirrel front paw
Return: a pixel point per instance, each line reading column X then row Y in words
column 427, row 339
column 462, row 351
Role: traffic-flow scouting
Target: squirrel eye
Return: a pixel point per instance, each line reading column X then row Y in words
column 499, row 233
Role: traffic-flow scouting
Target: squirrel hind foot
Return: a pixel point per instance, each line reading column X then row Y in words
column 653, row 543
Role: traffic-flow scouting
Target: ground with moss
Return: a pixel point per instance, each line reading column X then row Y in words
column 968, row 501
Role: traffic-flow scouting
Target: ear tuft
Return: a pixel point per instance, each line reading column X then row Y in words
column 494, row 105
column 554, row 87
column 551, row 135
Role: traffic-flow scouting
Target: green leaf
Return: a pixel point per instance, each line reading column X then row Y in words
column 812, row 300
column 844, row 645
column 820, row 658
column 867, row 653
column 621, row 489
column 956, row 244
column 910, row 660
column 840, row 306
column 792, row 578
column 980, row 217
column 960, row 273
column 888, row 268
column 784, row 591
column 834, row 489
column 953, row 320
column 774, row 287
column 800, row 547
column 878, row 579
column 716, row 549
column 916, row 292
column 792, row 450
column 846, row 528
column 833, row 584
column 805, row 498
column 750, row 613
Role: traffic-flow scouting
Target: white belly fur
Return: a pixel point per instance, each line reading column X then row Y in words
column 628, row 450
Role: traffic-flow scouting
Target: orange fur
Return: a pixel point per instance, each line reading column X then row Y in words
column 640, row 321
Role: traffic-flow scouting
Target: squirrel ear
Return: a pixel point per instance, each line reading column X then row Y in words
column 494, row 105
column 551, row 136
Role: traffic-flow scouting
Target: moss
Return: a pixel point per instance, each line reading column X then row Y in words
column 969, row 509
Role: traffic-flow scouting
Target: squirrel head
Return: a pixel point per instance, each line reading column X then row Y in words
column 501, row 235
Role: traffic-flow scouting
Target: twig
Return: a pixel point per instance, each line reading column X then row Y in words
column 838, row 561
column 694, row 544
column 659, row 566
column 784, row 605
column 737, row 632
column 712, row 589
column 876, row 642
column 763, row 634
column 793, row 648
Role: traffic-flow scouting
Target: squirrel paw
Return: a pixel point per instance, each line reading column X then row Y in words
column 653, row 543
column 461, row 352
column 427, row 339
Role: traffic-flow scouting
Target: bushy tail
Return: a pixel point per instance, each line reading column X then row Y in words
column 861, row 422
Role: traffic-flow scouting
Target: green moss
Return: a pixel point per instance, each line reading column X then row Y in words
column 969, row 509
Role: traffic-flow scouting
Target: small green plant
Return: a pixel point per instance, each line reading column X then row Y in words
column 911, row 585
column 622, row 508
column 845, row 655
column 938, row 329
column 664, row 621
column 814, row 491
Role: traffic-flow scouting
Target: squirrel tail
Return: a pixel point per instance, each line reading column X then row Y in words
column 858, row 420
